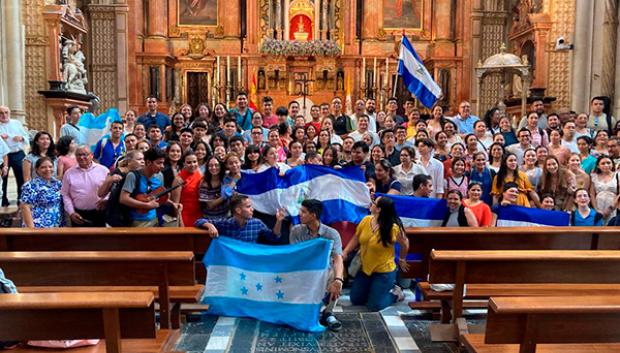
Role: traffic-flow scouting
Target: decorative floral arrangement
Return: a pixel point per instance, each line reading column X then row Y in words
column 293, row 47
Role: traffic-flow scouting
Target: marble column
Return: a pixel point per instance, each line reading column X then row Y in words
column 324, row 26
column 15, row 59
column 121, row 11
column 582, row 56
column 278, row 19
column 608, row 50
column 157, row 18
column 3, row 83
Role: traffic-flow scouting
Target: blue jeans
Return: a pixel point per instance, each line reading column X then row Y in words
column 374, row 290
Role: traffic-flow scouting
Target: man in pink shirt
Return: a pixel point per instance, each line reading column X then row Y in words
column 269, row 118
column 79, row 190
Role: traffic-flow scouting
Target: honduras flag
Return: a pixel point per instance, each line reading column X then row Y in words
column 415, row 76
column 344, row 193
column 519, row 216
column 418, row 211
column 95, row 127
column 277, row 284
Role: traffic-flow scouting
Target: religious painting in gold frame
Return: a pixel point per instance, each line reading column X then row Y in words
column 405, row 14
column 197, row 12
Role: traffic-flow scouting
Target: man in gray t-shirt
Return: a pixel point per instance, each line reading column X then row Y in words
column 312, row 228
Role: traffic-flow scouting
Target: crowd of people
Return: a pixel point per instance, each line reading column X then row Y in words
column 195, row 157
column 153, row 170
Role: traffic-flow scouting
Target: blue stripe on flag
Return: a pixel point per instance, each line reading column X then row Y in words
column 300, row 316
column 418, row 207
column 420, row 82
column 335, row 211
column 259, row 183
column 225, row 251
column 531, row 216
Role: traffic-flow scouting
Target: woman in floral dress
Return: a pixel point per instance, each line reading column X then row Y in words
column 41, row 203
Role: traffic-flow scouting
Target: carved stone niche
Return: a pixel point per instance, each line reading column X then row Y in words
column 276, row 72
column 325, row 71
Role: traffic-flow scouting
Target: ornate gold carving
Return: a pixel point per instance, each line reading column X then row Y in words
column 103, row 54
column 263, row 16
column 219, row 31
column 35, row 67
column 303, row 7
column 559, row 61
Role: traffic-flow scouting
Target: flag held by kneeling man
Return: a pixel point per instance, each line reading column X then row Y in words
column 277, row 284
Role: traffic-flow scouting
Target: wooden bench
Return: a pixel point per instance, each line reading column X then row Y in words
column 423, row 240
column 505, row 273
column 160, row 269
column 60, row 316
column 109, row 239
column 549, row 324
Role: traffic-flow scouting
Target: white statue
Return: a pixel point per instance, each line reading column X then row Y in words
column 73, row 69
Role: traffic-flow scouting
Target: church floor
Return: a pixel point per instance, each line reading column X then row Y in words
column 362, row 332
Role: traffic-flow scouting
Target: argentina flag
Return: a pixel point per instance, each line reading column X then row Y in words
column 277, row 284
column 419, row 211
column 343, row 192
column 519, row 216
column 415, row 76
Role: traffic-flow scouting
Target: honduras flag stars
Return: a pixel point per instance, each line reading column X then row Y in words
column 277, row 284
column 415, row 76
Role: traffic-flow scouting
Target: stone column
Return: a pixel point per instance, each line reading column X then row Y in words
column 3, row 83
column 122, row 65
column 608, row 50
column 157, row 27
column 616, row 104
column 324, row 26
column 278, row 19
column 582, row 56
column 15, row 59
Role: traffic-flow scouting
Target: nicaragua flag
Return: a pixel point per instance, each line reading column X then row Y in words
column 519, row 216
column 415, row 76
column 95, row 127
column 277, row 284
column 343, row 192
column 419, row 212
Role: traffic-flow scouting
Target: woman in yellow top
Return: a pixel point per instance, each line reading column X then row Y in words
column 374, row 284
column 509, row 172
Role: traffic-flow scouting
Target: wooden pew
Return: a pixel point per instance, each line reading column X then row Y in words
column 109, row 239
column 423, row 240
column 160, row 269
column 510, row 269
column 549, row 324
column 59, row 316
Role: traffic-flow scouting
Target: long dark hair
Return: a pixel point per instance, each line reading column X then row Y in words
column 207, row 177
column 247, row 164
column 34, row 147
column 387, row 218
column 503, row 171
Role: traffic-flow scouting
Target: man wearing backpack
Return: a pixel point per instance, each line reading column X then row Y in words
column 116, row 214
column 143, row 213
column 109, row 149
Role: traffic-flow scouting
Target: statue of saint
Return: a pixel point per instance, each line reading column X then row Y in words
column 73, row 70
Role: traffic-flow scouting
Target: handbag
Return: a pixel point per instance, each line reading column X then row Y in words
column 355, row 265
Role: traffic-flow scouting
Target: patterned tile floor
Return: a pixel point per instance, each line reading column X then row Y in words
column 394, row 330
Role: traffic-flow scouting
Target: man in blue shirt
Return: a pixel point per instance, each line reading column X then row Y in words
column 242, row 113
column 464, row 120
column 152, row 116
column 109, row 149
column 144, row 213
column 242, row 226
column 70, row 128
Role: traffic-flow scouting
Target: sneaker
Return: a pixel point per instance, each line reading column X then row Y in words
column 332, row 323
column 6, row 345
column 398, row 293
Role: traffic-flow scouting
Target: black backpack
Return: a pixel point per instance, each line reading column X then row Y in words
column 117, row 214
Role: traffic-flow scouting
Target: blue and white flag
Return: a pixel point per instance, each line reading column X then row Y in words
column 343, row 192
column 519, row 216
column 418, row 211
column 95, row 127
column 415, row 76
column 277, row 284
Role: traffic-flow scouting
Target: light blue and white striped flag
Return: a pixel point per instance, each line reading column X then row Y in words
column 95, row 127
column 415, row 76
column 519, row 216
column 343, row 192
column 419, row 211
column 277, row 284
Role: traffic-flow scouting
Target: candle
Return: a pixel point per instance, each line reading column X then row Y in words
column 239, row 71
column 217, row 71
column 374, row 72
column 387, row 71
column 227, row 70
column 363, row 71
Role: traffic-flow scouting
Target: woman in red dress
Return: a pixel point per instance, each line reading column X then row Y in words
column 188, row 194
